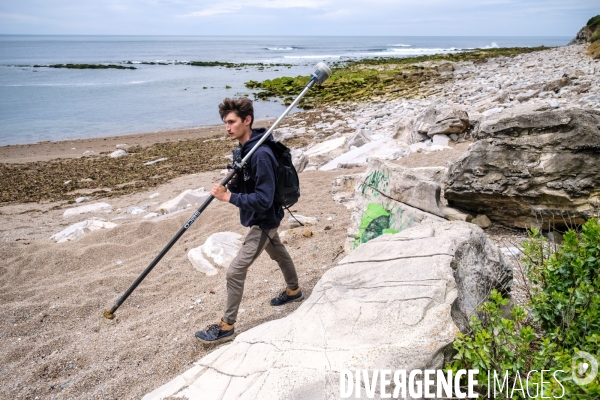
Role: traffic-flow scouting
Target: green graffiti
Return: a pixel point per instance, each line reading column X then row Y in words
column 400, row 219
column 376, row 182
column 375, row 222
column 378, row 220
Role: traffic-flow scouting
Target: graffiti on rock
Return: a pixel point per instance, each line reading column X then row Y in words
column 378, row 220
column 376, row 182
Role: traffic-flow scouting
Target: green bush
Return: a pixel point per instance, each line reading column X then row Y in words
column 566, row 295
column 564, row 318
column 593, row 21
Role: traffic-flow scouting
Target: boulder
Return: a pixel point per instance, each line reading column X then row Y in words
column 343, row 189
column 359, row 138
column 392, row 303
column 531, row 168
column 90, row 208
column 441, row 140
column 220, row 247
column 200, row 262
column 186, row 198
column 482, row 221
column 408, row 134
column 79, row 229
column 449, row 120
column 446, row 120
column 390, row 198
column 425, row 120
column 386, row 148
column 325, row 147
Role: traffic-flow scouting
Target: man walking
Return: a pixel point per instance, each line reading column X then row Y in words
column 252, row 191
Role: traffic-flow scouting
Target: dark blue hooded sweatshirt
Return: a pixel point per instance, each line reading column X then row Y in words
column 256, row 189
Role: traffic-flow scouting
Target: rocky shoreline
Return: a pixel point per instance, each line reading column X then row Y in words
column 58, row 345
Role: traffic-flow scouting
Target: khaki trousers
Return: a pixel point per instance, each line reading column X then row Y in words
column 256, row 241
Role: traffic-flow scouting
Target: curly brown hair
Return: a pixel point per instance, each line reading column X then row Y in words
column 242, row 107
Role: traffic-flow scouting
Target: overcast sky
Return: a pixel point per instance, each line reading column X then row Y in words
column 298, row 17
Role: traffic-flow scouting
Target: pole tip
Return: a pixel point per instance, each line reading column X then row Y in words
column 108, row 315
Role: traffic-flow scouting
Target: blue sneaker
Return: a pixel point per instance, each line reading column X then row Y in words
column 216, row 333
column 287, row 296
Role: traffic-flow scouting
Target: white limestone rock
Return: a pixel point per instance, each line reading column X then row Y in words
column 118, row 153
column 358, row 139
column 384, row 148
column 392, row 302
column 440, row 140
column 187, row 197
column 79, row 229
column 325, row 147
column 343, row 189
column 220, row 247
column 200, row 262
column 90, row 208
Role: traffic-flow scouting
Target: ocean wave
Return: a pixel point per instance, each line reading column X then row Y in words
column 315, row 56
column 417, row 51
column 494, row 45
column 54, row 84
column 288, row 48
column 400, row 45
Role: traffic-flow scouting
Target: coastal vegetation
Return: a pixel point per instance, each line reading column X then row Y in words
column 85, row 66
column 377, row 78
column 593, row 25
column 562, row 317
column 67, row 179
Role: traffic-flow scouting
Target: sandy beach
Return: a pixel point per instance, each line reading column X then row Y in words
column 46, row 151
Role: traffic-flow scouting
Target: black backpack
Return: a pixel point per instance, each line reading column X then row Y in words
column 287, row 191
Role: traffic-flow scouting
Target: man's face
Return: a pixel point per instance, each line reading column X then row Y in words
column 237, row 128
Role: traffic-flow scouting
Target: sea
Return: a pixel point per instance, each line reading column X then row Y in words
column 38, row 103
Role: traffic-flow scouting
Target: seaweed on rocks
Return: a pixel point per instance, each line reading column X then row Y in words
column 375, row 78
column 85, row 66
column 66, row 179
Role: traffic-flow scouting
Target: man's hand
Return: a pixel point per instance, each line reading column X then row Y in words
column 220, row 193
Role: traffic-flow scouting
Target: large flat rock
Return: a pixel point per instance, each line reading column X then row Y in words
column 388, row 305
